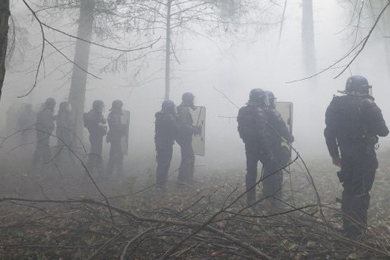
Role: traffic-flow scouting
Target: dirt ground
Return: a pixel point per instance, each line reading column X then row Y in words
column 59, row 212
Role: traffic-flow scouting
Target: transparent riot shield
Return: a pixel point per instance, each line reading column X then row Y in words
column 286, row 111
column 199, row 119
column 125, row 120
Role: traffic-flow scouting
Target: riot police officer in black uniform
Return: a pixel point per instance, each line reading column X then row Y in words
column 166, row 130
column 184, row 138
column 95, row 122
column 252, row 127
column 45, row 127
column 277, row 129
column 353, row 124
column 65, row 132
column 114, row 136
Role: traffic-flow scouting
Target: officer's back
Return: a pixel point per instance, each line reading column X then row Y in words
column 166, row 128
column 94, row 120
column 353, row 119
column 252, row 121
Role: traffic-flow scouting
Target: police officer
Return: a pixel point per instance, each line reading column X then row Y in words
column 95, row 122
column 252, row 127
column 114, row 136
column 353, row 124
column 65, row 131
column 44, row 127
column 166, row 130
column 184, row 138
column 278, row 131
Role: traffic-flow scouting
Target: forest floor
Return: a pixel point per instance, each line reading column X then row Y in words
column 48, row 213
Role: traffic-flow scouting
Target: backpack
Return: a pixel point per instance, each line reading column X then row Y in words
column 88, row 119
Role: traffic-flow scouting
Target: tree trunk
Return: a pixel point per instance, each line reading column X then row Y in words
column 79, row 76
column 386, row 29
column 308, row 45
column 168, row 50
column 4, row 15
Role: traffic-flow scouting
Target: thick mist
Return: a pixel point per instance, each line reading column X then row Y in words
column 208, row 67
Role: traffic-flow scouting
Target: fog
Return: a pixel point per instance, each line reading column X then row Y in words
column 208, row 66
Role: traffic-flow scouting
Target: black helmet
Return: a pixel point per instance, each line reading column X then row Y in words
column 98, row 105
column 50, row 102
column 257, row 95
column 271, row 98
column 357, row 85
column 117, row 105
column 188, row 98
column 167, row 104
column 270, row 95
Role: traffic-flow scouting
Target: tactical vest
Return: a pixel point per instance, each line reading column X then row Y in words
column 92, row 119
column 346, row 117
column 247, row 128
column 166, row 129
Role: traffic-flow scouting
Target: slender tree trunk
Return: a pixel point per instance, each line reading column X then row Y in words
column 79, row 76
column 168, row 50
column 308, row 44
column 4, row 16
column 386, row 29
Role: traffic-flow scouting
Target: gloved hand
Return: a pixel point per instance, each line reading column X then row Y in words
column 336, row 161
column 290, row 139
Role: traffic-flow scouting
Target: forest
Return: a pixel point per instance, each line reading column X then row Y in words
column 142, row 53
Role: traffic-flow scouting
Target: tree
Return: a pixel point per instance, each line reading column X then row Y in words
column 308, row 42
column 81, row 61
column 179, row 15
column 108, row 20
column 206, row 18
column 168, row 50
column 367, row 20
column 4, row 16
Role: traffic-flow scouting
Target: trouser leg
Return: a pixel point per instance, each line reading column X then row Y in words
column 186, row 170
column 355, row 208
column 251, row 176
column 116, row 158
column 43, row 148
column 95, row 156
column 119, row 166
column 272, row 183
column 110, row 165
column 356, row 195
column 164, row 157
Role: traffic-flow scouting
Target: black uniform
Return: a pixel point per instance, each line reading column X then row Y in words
column 252, row 127
column 184, row 139
column 277, row 130
column 45, row 127
column 166, row 130
column 114, row 137
column 95, row 123
column 65, row 132
column 352, row 126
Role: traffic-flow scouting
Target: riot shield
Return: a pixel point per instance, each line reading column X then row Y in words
column 286, row 111
column 125, row 120
column 199, row 119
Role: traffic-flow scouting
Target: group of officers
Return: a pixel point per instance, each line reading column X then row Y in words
column 260, row 126
column 353, row 124
column 64, row 125
column 175, row 124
